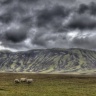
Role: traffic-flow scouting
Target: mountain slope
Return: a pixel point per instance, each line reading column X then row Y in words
column 49, row 61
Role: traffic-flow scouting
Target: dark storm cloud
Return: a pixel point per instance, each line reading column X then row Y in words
column 26, row 20
column 84, row 17
column 6, row 18
column 15, row 35
column 91, row 8
column 83, row 21
column 46, row 16
column 6, row 1
column 29, row 24
column 83, row 8
column 28, row 1
column 48, row 39
column 38, row 39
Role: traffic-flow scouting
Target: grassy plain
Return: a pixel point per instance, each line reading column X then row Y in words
column 48, row 85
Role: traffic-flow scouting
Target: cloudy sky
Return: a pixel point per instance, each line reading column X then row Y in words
column 37, row 24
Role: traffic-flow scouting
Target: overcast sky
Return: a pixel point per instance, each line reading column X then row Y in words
column 37, row 24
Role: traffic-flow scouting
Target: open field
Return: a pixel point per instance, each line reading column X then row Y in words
column 48, row 85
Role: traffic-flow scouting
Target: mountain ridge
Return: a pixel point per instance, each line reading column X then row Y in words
column 55, row 60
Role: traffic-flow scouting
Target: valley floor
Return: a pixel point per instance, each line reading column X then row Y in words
column 48, row 85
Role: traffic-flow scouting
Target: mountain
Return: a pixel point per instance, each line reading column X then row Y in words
column 49, row 61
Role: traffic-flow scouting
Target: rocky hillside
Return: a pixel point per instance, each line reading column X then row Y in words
column 49, row 61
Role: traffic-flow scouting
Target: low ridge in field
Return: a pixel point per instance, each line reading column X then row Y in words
column 49, row 61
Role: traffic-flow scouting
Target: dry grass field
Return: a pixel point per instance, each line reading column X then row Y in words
column 48, row 85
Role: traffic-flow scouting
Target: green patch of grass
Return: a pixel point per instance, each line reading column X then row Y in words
column 48, row 85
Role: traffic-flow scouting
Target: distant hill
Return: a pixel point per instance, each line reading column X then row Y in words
column 49, row 61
